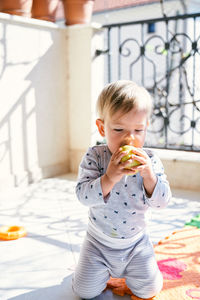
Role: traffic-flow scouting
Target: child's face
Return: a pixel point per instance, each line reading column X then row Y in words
column 126, row 129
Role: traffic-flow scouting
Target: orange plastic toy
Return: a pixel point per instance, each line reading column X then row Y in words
column 12, row 232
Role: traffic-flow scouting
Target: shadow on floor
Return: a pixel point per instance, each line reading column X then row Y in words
column 63, row 291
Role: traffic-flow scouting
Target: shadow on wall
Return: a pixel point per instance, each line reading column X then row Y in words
column 33, row 116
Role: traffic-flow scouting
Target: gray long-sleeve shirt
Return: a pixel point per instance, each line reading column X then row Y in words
column 122, row 214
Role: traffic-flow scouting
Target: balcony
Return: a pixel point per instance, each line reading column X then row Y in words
column 50, row 78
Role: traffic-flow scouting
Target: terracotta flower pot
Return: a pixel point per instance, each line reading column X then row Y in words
column 16, row 7
column 45, row 9
column 78, row 11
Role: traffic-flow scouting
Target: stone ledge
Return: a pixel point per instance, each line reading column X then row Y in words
column 182, row 168
column 177, row 155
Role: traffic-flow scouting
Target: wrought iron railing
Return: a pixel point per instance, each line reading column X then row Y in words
column 167, row 63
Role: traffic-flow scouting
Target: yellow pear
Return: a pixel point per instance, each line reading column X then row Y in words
column 126, row 157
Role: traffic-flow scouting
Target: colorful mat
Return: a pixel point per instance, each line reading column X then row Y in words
column 178, row 257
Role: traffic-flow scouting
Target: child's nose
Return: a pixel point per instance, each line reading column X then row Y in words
column 130, row 139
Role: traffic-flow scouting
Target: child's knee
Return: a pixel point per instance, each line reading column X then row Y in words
column 86, row 294
column 155, row 286
column 84, row 291
column 146, row 288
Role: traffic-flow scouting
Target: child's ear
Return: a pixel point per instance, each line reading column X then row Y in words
column 100, row 125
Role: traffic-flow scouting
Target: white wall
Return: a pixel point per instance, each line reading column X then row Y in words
column 45, row 97
column 85, row 82
column 33, row 113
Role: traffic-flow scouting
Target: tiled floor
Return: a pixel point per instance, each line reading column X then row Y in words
column 40, row 266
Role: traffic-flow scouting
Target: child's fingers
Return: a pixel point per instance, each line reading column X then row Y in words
column 133, row 157
column 129, row 171
column 133, row 170
column 126, row 163
column 138, row 168
column 117, row 156
column 139, row 151
column 140, row 159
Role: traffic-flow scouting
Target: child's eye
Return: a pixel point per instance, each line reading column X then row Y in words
column 139, row 130
column 118, row 129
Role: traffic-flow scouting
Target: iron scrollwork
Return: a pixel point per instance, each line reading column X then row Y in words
column 168, row 65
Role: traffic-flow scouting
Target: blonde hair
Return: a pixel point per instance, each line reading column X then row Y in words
column 123, row 95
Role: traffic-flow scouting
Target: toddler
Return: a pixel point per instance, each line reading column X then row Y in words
column 117, row 243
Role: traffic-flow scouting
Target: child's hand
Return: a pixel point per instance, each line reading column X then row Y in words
column 116, row 168
column 115, row 171
column 145, row 169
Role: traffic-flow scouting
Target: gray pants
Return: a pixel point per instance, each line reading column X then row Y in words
column 98, row 262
